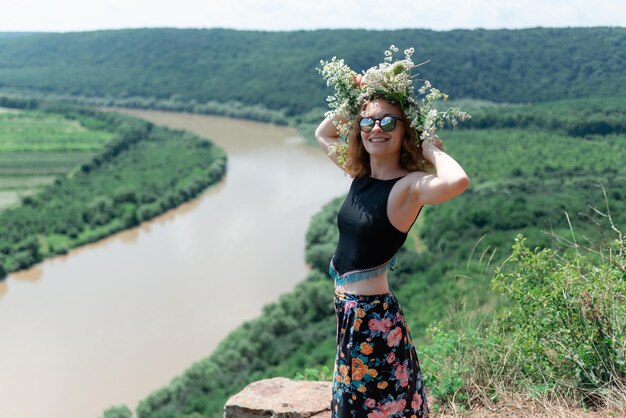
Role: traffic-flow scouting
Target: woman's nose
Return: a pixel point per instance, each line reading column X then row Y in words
column 377, row 125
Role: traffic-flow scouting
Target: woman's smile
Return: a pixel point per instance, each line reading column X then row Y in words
column 378, row 139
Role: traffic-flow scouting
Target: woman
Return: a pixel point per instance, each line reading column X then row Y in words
column 377, row 372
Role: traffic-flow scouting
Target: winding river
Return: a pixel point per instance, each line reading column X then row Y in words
column 111, row 322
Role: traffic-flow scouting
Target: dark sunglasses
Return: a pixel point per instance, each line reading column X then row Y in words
column 387, row 123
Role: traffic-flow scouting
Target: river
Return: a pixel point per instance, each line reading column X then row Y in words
column 111, row 322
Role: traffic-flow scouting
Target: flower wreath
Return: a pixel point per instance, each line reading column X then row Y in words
column 390, row 80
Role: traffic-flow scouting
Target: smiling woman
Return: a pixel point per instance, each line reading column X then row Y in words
column 377, row 372
column 363, row 140
column 383, row 203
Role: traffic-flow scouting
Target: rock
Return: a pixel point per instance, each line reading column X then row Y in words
column 281, row 398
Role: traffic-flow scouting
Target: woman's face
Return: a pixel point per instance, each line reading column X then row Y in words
column 379, row 142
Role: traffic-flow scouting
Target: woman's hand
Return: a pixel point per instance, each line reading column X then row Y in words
column 359, row 80
column 450, row 178
column 433, row 140
column 437, row 142
column 327, row 137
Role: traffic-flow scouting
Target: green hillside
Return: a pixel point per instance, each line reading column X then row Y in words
column 195, row 69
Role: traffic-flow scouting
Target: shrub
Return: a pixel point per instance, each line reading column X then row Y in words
column 567, row 323
column 558, row 333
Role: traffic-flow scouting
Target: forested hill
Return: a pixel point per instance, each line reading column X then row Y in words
column 277, row 69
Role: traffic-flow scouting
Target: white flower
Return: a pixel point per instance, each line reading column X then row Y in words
column 390, row 80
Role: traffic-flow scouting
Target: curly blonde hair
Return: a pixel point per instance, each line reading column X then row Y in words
column 357, row 162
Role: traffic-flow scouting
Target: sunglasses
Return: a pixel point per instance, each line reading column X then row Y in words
column 387, row 123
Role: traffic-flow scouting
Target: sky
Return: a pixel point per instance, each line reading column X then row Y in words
column 271, row 15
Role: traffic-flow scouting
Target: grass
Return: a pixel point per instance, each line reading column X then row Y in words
column 513, row 405
column 568, row 364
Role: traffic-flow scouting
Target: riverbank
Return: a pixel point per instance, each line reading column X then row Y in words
column 141, row 173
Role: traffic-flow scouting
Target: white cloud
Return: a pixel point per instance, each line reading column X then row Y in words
column 73, row 15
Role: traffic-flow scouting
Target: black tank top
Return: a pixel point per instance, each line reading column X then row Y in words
column 368, row 242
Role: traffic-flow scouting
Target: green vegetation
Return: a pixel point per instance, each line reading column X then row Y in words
column 525, row 178
column 575, row 117
column 37, row 146
column 141, row 172
column 35, row 131
column 559, row 335
column 271, row 75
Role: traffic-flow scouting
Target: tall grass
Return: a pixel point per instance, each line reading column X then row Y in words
column 558, row 336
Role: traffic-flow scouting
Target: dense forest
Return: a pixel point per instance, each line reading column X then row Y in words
column 527, row 178
column 140, row 173
column 271, row 75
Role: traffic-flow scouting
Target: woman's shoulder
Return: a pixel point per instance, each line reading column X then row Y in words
column 413, row 177
column 410, row 183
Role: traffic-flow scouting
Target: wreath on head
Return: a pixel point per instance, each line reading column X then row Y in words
column 391, row 80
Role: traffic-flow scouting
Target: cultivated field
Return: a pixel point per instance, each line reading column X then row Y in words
column 36, row 147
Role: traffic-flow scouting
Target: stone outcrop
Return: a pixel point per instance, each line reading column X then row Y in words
column 281, row 398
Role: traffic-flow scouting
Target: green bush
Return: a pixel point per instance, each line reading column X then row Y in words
column 567, row 323
column 558, row 332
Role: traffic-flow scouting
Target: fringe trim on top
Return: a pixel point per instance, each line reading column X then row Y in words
column 356, row 275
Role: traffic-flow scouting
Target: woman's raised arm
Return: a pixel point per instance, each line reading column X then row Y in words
column 327, row 136
column 450, row 180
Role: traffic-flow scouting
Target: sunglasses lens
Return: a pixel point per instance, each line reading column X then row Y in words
column 388, row 123
column 367, row 124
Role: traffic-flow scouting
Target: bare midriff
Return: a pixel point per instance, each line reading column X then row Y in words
column 374, row 286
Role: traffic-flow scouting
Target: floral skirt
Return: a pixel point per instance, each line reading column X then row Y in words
column 377, row 372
